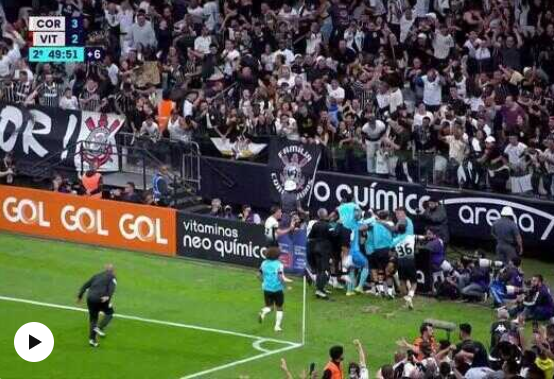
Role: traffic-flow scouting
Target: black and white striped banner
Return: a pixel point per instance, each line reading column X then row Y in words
column 34, row 133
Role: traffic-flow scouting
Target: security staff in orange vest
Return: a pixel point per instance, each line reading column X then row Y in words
column 333, row 369
column 92, row 183
column 165, row 107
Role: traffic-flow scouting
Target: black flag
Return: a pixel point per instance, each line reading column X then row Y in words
column 291, row 160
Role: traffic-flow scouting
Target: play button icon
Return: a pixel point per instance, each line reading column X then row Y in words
column 34, row 342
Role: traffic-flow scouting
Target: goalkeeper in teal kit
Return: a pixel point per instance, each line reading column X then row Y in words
column 356, row 259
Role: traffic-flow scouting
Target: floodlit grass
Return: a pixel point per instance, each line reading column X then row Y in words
column 194, row 293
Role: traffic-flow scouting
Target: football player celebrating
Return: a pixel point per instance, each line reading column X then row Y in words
column 404, row 249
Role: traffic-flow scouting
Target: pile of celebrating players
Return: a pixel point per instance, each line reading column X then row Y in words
column 375, row 252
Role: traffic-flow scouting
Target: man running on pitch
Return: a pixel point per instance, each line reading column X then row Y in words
column 101, row 288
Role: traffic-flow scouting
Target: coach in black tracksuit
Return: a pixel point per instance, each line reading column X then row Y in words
column 101, row 288
column 321, row 247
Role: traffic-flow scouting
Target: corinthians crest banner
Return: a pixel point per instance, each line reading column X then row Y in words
column 35, row 133
column 98, row 147
column 290, row 160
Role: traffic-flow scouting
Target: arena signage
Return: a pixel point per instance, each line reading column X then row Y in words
column 233, row 241
column 220, row 240
column 82, row 139
column 470, row 213
column 474, row 215
column 374, row 195
column 87, row 220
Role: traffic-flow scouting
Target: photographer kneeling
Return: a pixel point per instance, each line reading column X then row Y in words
column 537, row 304
column 508, row 283
column 478, row 286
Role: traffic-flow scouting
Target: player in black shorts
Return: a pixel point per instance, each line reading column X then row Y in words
column 272, row 274
column 341, row 247
column 404, row 249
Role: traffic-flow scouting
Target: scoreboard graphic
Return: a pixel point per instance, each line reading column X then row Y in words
column 58, row 39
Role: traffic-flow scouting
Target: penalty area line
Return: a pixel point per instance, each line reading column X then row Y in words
column 258, row 339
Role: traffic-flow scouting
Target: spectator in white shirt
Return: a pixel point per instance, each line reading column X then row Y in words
column 113, row 70
column 231, row 56
column 286, row 76
column 112, row 15
column 354, row 37
column 183, row 130
column 68, row 101
column 442, row 43
column 335, row 91
column 142, row 33
column 286, row 126
column 514, row 150
column 188, row 104
column 396, row 99
column 203, row 41
column 313, row 40
column 173, row 125
column 406, row 22
column 272, row 224
column 383, row 98
column 126, row 16
column 150, row 129
column 287, row 53
column 420, row 114
column 374, row 131
column 432, row 90
column 457, row 146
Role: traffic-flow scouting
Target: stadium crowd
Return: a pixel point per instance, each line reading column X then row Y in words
column 508, row 355
column 446, row 91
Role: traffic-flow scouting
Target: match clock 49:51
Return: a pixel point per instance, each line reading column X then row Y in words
column 65, row 54
column 57, row 54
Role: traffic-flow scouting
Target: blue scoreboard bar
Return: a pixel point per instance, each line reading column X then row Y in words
column 57, row 54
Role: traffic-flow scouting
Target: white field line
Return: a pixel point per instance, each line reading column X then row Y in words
column 153, row 321
column 258, row 346
column 236, row 363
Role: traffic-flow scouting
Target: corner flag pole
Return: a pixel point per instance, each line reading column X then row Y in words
column 304, row 312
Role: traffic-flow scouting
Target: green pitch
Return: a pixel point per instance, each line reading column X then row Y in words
column 180, row 317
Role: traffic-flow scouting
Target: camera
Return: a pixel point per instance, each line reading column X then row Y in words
column 479, row 260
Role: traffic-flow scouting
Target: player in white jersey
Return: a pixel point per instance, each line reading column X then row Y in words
column 404, row 248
